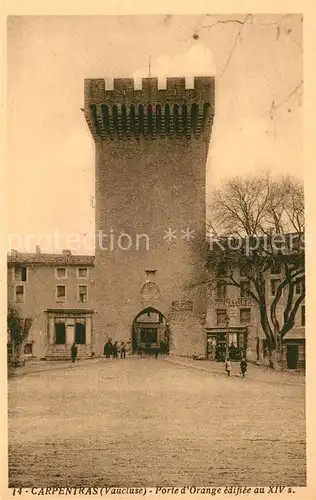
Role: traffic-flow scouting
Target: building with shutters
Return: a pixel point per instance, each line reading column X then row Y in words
column 56, row 291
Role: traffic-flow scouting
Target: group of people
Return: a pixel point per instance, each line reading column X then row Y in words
column 114, row 349
column 243, row 366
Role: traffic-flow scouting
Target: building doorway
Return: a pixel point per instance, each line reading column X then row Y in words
column 150, row 332
column 292, row 356
column 217, row 339
column 65, row 326
column 60, row 333
column 80, row 332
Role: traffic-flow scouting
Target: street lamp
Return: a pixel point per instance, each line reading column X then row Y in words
column 227, row 337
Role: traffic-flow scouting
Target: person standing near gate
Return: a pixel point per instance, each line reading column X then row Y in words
column 228, row 366
column 123, row 350
column 243, row 367
column 108, row 349
column 115, row 350
column 74, row 352
column 141, row 351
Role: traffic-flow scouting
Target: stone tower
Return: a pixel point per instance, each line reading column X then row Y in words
column 151, row 148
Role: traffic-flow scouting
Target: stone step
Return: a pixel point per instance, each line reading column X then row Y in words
column 65, row 354
column 61, row 357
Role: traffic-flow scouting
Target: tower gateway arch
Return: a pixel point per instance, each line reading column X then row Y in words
column 151, row 148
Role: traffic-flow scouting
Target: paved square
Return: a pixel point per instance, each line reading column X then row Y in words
column 151, row 422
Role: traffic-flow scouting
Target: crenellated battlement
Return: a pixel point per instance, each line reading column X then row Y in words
column 125, row 112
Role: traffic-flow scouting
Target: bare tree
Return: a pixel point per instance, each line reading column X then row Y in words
column 19, row 328
column 257, row 225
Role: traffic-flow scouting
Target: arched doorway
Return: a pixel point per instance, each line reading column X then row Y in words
column 150, row 331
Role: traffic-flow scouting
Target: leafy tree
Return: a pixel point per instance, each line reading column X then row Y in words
column 257, row 226
column 19, row 328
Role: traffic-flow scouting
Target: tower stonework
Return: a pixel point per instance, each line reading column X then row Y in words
column 151, row 148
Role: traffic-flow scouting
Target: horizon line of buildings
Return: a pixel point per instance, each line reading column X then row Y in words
column 58, row 292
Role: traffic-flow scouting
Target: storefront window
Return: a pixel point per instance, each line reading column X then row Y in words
column 233, row 339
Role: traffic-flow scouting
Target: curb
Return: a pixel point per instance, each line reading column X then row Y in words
column 299, row 381
column 44, row 368
column 188, row 365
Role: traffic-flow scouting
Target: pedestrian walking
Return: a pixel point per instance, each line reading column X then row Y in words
column 243, row 367
column 228, row 366
column 115, row 350
column 74, row 352
column 123, row 350
column 141, row 351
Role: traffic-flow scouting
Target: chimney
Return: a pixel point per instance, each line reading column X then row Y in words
column 66, row 253
column 14, row 253
column 38, row 249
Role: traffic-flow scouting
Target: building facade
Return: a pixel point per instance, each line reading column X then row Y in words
column 56, row 291
column 234, row 315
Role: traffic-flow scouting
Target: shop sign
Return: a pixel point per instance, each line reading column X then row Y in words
column 239, row 302
column 182, row 305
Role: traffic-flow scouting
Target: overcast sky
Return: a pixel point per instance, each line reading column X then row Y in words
column 51, row 153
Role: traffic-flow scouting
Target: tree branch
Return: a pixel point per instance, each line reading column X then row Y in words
column 275, row 107
column 237, row 37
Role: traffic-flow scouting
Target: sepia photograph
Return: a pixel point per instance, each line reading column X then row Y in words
column 156, row 254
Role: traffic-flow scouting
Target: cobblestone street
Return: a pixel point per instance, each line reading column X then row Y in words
column 155, row 422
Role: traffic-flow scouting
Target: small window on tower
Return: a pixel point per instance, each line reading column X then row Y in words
column 151, row 272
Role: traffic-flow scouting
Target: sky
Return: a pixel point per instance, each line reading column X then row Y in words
column 258, row 117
